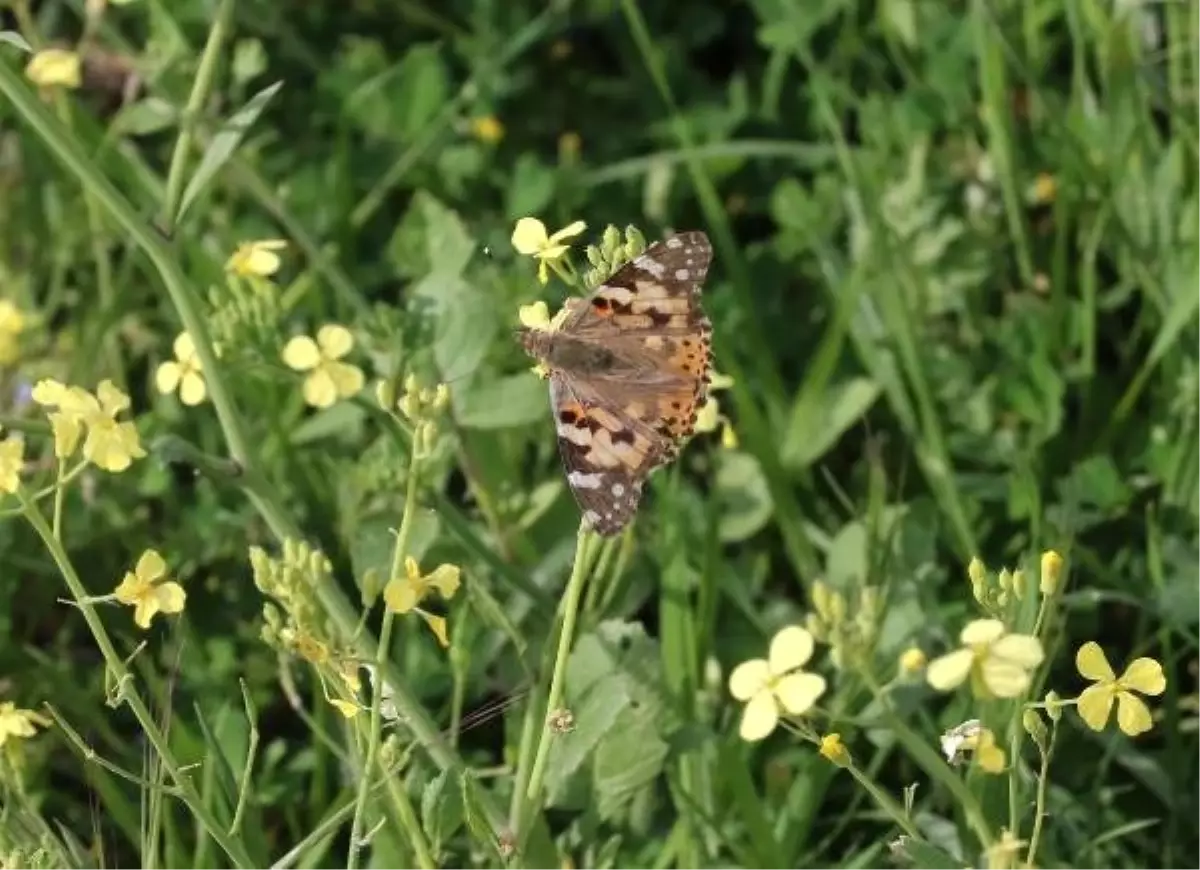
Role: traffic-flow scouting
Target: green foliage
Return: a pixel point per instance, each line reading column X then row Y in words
column 955, row 290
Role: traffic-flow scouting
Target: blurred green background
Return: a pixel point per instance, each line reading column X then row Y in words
column 955, row 285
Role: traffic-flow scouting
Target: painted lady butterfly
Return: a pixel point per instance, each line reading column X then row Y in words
column 629, row 367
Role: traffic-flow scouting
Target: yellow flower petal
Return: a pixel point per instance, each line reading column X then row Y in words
column 1095, row 703
column 335, row 341
column 130, row 589
column 1018, row 649
column 320, row 391
column 150, row 566
column 834, row 750
column 759, row 718
column 112, row 400
column 167, row 376
column 798, row 692
column 347, row 380
column 946, row 672
column 67, row 430
column 981, row 631
column 437, row 625
column 568, row 232
column 720, row 381
column 749, row 678
column 170, row 597
column 529, row 236
column 445, row 579
column 1092, row 664
column 1145, row 675
column 1004, row 679
column 1133, row 716
column 301, row 354
column 707, row 416
column 400, row 596
column 146, row 607
column 534, row 316
column 185, row 348
column 12, row 460
column 192, row 389
column 791, row 647
column 55, row 67
column 989, row 756
column 543, row 272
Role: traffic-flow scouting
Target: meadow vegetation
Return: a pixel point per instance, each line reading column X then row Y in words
column 290, row 573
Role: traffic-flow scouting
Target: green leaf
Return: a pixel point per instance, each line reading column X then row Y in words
column 516, row 400
column 424, row 88
column 629, row 758
column 464, row 322
column 150, row 115
column 531, row 187
column 812, row 431
column 14, row 38
column 595, row 715
column 919, row 853
column 344, row 419
column 442, row 812
column 224, row 143
column 742, row 495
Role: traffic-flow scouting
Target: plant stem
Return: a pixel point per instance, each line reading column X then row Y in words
column 579, row 574
column 201, row 88
column 233, row 846
column 1040, row 809
column 368, row 768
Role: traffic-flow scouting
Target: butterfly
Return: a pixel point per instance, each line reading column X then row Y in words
column 629, row 367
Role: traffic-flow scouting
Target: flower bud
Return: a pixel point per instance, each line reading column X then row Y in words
column 1052, row 564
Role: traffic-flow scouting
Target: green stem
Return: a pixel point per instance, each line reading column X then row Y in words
column 579, row 572
column 201, row 88
column 59, row 489
column 233, row 847
column 885, row 801
column 1040, row 809
column 404, row 810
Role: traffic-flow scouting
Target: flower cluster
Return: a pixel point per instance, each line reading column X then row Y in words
column 110, row 443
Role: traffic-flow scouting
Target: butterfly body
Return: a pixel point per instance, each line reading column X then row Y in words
column 629, row 367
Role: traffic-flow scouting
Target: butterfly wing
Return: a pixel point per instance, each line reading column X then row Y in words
column 616, row 425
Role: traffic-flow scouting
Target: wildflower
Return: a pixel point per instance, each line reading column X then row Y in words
column 912, row 660
column 256, row 259
column 529, row 237
column 1045, row 187
column 776, row 681
column 329, row 380
column 110, row 444
column 12, row 460
column 834, row 750
column 15, row 722
column 487, row 129
column 971, row 736
column 403, row 594
column 12, row 324
column 54, row 67
column 1051, row 572
column 145, row 589
column 1143, row 675
column 183, row 372
column 997, row 662
column 709, row 415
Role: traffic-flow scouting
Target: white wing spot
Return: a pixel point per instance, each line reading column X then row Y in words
column 584, row 480
column 618, row 489
column 674, row 242
column 654, row 267
column 593, row 518
column 682, row 274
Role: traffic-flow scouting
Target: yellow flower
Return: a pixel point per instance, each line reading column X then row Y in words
column 12, row 460
column 835, row 750
column 183, row 372
column 403, row 594
column 1143, row 675
column 141, row 588
column 997, row 662
column 912, row 660
column 534, row 316
column 1045, row 187
column 329, row 380
column 766, row 685
column 12, row 324
column 1004, row 853
column 347, row 708
column 110, row 444
column 487, row 128
column 1051, row 572
column 709, row 416
column 54, row 67
column 256, row 259
column 971, row 736
column 15, row 722
column 529, row 237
